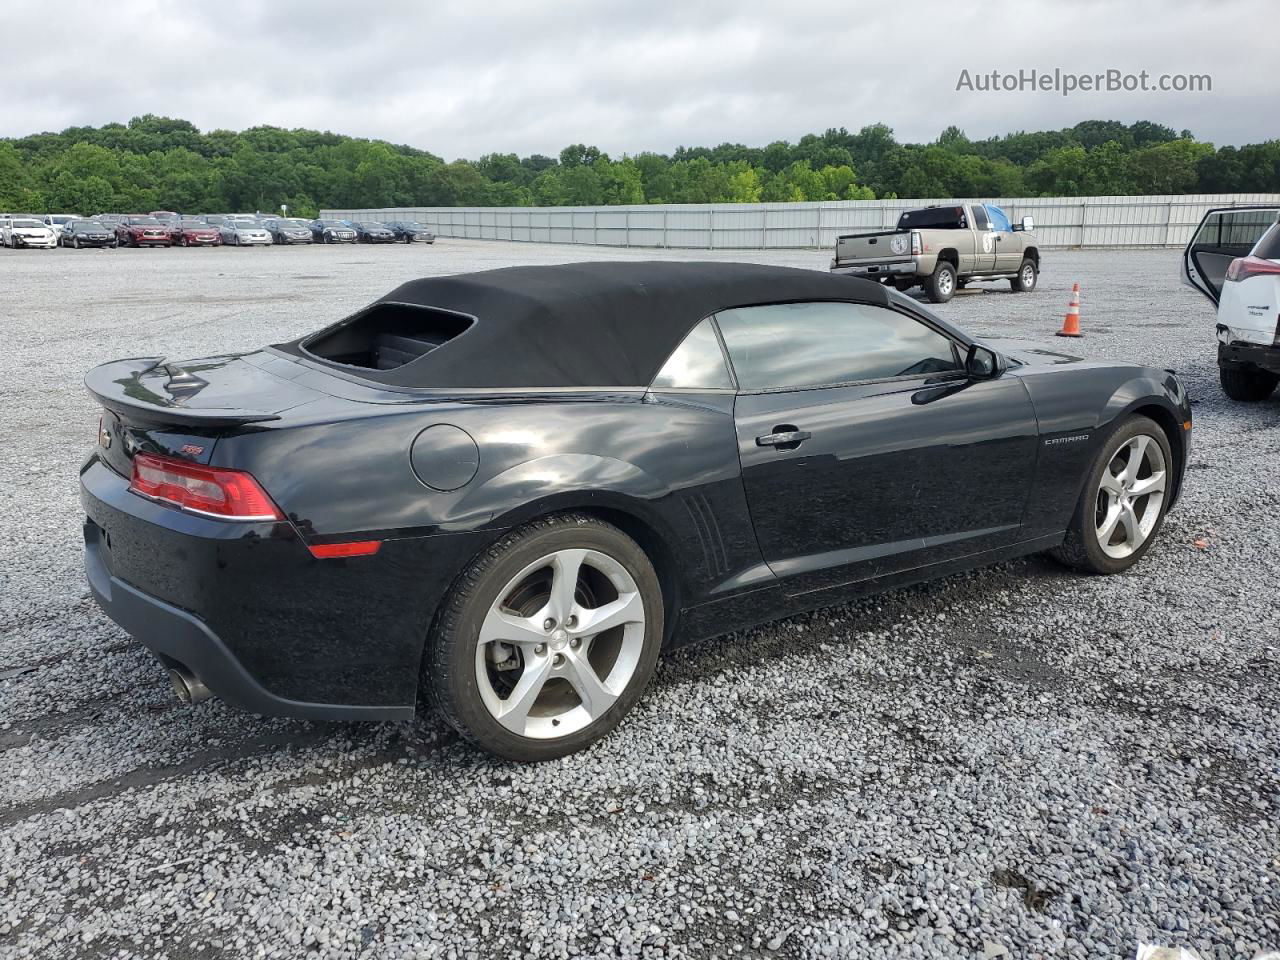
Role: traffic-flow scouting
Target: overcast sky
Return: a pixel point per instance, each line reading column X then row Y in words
column 462, row 79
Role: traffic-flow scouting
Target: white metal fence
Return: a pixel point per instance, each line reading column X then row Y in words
column 1059, row 221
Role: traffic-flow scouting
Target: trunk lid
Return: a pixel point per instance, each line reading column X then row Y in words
column 180, row 409
column 211, row 392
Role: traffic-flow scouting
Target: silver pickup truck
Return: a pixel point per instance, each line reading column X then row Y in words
column 943, row 248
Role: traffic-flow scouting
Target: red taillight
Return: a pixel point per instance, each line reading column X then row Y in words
column 916, row 246
column 355, row 548
column 212, row 491
column 1242, row 268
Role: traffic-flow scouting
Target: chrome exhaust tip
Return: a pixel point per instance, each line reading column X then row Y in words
column 187, row 687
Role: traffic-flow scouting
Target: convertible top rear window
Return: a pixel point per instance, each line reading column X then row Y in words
column 386, row 336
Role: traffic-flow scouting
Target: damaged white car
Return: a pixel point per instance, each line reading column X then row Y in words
column 1234, row 260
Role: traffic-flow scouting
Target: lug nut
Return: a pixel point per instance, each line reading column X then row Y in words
column 559, row 660
column 549, row 623
column 572, row 621
column 575, row 642
column 540, row 649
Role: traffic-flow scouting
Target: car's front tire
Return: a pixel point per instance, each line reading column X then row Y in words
column 1246, row 384
column 547, row 639
column 941, row 286
column 1122, row 506
column 1028, row 276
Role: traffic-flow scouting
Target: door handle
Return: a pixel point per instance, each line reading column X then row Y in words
column 784, row 438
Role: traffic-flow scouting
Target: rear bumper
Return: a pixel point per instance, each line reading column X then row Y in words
column 247, row 609
column 177, row 637
column 873, row 270
column 1250, row 355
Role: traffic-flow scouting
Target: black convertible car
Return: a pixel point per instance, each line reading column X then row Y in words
column 512, row 489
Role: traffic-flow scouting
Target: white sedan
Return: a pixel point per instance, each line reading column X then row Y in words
column 244, row 233
column 24, row 232
column 1234, row 260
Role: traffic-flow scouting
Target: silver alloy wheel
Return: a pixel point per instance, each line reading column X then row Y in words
column 1130, row 496
column 945, row 283
column 560, row 644
column 1028, row 277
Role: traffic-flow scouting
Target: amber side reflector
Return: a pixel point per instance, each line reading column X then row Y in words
column 1186, row 425
column 356, row 548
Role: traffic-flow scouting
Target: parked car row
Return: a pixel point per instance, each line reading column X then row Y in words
column 164, row 228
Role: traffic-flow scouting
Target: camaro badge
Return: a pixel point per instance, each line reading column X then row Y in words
column 192, row 449
column 1054, row 441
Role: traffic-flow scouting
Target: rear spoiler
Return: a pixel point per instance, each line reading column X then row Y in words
column 149, row 391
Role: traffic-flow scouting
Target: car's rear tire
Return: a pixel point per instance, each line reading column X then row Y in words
column 1028, row 276
column 512, row 657
column 1246, row 384
column 941, row 285
column 1122, row 506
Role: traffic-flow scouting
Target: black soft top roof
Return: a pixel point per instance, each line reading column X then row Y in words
column 601, row 324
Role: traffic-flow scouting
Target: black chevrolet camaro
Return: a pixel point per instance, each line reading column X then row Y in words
column 510, row 490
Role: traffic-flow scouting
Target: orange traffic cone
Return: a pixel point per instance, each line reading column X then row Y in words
column 1071, row 323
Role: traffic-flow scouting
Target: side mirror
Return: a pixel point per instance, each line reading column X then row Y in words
column 1026, row 223
column 982, row 363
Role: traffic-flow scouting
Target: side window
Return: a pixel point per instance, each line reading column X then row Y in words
column 817, row 344
column 999, row 221
column 697, row 364
column 1268, row 247
column 980, row 221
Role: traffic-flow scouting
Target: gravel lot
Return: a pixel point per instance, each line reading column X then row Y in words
column 1018, row 758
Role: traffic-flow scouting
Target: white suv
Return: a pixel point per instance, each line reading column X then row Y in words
column 1234, row 260
column 57, row 222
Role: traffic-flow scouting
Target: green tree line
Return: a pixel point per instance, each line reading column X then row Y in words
column 161, row 163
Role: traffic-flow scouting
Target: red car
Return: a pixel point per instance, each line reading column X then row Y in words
column 194, row 233
column 139, row 230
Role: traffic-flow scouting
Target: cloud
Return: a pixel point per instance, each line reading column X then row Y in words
column 462, row 79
